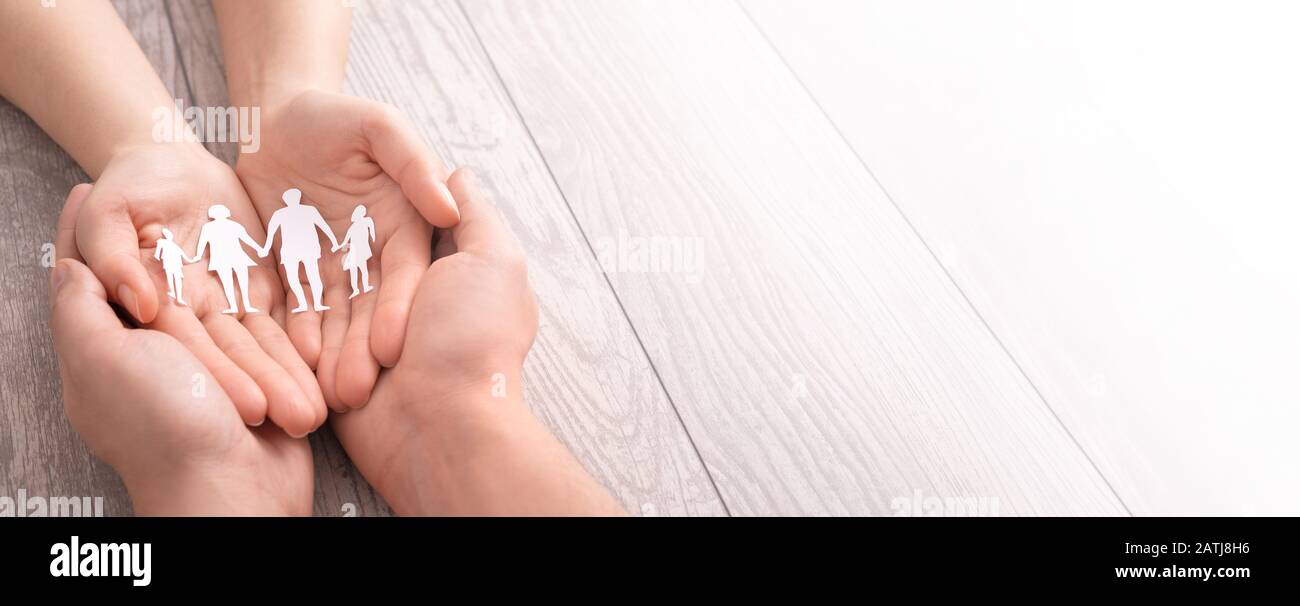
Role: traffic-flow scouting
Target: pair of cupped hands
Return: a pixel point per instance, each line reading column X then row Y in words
column 179, row 398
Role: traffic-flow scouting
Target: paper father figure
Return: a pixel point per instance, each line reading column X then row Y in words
column 299, row 245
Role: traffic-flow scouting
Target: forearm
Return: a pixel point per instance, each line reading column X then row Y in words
column 76, row 70
column 275, row 49
column 475, row 454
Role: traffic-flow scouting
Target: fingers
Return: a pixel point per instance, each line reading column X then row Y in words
column 108, row 241
column 334, row 329
column 405, row 258
column 357, row 367
column 80, row 317
column 400, row 152
column 181, row 324
column 481, row 229
column 276, row 344
column 65, row 235
column 286, row 404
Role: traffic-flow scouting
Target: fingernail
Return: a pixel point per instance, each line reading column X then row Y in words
column 447, row 197
column 127, row 298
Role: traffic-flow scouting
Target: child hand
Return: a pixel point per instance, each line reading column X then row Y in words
column 145, row 188
column 342, row 151
column 160, row 419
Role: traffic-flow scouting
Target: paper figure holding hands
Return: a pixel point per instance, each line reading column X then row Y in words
column 173, row 259
column 299, row 245
column 357, row 241
column 227, row 256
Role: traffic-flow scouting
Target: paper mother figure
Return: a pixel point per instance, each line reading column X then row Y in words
column 224, row 237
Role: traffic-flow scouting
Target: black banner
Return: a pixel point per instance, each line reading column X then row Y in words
column 157, row 556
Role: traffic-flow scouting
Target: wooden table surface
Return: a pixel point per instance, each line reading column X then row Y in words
column 791, row 259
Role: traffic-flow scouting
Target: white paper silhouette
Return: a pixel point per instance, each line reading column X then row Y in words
column 224, row 237
column 173, row 259
column 357, row 241
column 299, row 245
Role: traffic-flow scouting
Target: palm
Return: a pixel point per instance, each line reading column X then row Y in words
column 165, row 192
column 149, row 189
column 319, row 143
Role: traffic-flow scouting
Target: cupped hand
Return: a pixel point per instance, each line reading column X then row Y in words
column 447, row 431
column 150, row 408
column 474, row 316
column 473, row 321
column 342, row 151
column 115, row 225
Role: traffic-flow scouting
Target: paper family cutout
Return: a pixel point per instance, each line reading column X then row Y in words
column 297, row 224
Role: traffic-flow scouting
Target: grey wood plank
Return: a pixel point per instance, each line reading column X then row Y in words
column 39, row 452
column 1089, row 178
column 820, row 357
column 587, row 377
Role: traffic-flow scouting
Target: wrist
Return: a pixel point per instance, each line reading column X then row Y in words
column 446, row 438
column 272, row 93
column 192, row 489
column 275, row 50
column 177, row 146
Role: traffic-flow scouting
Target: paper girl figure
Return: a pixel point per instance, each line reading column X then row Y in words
column 227, row 257
column 173, row 258
column 357, row 241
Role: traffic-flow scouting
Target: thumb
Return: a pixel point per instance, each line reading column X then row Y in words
column 108, row 241
column 481, row 229
column 400, row 152
column 65, row 235
column 80, row 317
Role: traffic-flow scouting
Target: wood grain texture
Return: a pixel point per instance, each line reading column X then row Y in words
column 587, row 377
column 39, row 451
column 1112, row 185
column 821, row 360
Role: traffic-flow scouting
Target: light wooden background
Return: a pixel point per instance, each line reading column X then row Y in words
column 933, row 250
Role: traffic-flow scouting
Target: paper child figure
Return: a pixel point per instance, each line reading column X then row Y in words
column 299, row 245
column 227, row 256
column 357, row 241
column 173, row 259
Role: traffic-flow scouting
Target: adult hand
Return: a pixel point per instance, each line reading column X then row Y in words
column 341, row 151
column 447, row 430
column 157, row 415
column 115, row 224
